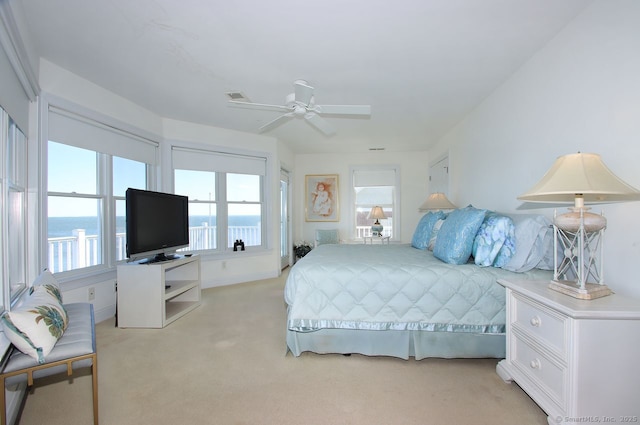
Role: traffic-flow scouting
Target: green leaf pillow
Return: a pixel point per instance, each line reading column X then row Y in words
column 37, row 324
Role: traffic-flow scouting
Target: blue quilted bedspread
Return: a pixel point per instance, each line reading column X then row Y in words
column 394, row 287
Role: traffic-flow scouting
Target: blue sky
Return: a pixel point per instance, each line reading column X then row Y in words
column 73, row 169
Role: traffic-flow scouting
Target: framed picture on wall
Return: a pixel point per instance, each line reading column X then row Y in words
column 321, row 197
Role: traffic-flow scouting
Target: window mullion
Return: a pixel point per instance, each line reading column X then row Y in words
column 223, row 211
column 105, row 189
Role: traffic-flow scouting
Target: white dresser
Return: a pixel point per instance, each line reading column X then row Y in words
column 578, row 359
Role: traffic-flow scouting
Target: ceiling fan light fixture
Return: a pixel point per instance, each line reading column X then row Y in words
column 301, row 103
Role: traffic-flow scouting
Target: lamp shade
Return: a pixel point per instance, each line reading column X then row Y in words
column 376, row 213
column 580, row 178
column 437, row 201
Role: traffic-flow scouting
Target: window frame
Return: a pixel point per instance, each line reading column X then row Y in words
column 104, row 190
column 13, row 180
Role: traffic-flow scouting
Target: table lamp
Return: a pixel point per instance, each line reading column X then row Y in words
column 579, row 178
column 377, row 213
column 437, row 201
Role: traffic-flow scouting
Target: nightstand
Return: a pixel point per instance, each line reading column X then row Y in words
column 370, row 239
column 575, row 358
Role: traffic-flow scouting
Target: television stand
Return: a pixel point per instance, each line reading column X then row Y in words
column 159, row 258
column 152, row 295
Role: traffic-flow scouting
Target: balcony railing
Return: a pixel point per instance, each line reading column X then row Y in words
column 82, row 250
column 365, row 231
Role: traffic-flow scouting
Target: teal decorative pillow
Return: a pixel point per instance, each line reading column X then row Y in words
column 423, row 231
column 35, row 326
column 495, row 241
column 455, row 239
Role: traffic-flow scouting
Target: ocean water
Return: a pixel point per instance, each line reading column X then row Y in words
column 64, row 226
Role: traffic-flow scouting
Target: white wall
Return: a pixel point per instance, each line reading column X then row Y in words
column 579, row 93
column 414, row 167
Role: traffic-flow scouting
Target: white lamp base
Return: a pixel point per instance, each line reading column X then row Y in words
column 591, row 290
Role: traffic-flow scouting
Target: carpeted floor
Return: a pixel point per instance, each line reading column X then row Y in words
column 226, row 363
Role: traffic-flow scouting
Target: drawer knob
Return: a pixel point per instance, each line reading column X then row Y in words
column 535, row 364
column 535, row 321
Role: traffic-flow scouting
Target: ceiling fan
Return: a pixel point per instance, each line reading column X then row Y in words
column 301, row 104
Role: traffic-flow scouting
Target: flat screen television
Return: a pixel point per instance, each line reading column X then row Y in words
column 157, row 224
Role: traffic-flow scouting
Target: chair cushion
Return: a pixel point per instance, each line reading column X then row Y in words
column 78, row 340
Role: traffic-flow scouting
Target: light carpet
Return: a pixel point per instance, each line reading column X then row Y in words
column 226, row 363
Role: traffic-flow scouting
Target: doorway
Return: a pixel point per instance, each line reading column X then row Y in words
column 285, row 221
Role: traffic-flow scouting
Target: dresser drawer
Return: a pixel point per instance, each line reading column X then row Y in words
column 542, row 324
column 550, row 377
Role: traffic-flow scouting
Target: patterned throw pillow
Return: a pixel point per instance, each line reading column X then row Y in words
column 49, row 281
column 35, row 326
column 495, row 241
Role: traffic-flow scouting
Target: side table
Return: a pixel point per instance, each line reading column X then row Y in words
column 578, row 359
column 370, row 239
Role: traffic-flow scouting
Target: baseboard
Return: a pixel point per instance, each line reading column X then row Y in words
column 104, row 313
column 245, row 277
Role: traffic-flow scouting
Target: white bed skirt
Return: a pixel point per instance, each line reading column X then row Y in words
column 402, row 344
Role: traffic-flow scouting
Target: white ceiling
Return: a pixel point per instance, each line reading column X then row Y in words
column 422, row 65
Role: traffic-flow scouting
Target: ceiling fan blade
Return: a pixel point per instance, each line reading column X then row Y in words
column 275, row 123
column 320, row 123
column 260, row 106
column 343, row 109
column 303, row 92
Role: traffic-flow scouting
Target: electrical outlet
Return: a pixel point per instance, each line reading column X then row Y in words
column 92, row 293
column 224, row 264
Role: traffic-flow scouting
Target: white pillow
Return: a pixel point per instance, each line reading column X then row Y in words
column 48, row 280
column 534, row 243
column 36, row 325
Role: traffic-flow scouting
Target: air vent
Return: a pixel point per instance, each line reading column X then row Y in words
column 238, row 96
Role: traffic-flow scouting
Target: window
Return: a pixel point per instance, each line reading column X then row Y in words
column 200, row 188
column 74, row 205
column 90, row 167
column 13, row 184
column 126, row 173
column 375, row 186
column 226, row 197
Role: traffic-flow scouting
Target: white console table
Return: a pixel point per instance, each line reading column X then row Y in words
column 152, row 295
column 576, row 358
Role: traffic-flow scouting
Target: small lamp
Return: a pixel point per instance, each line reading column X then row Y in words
column 579, row 178
column 437, row 201
column 377, row 213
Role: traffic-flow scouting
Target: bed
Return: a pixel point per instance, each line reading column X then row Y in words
column 403, row 301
